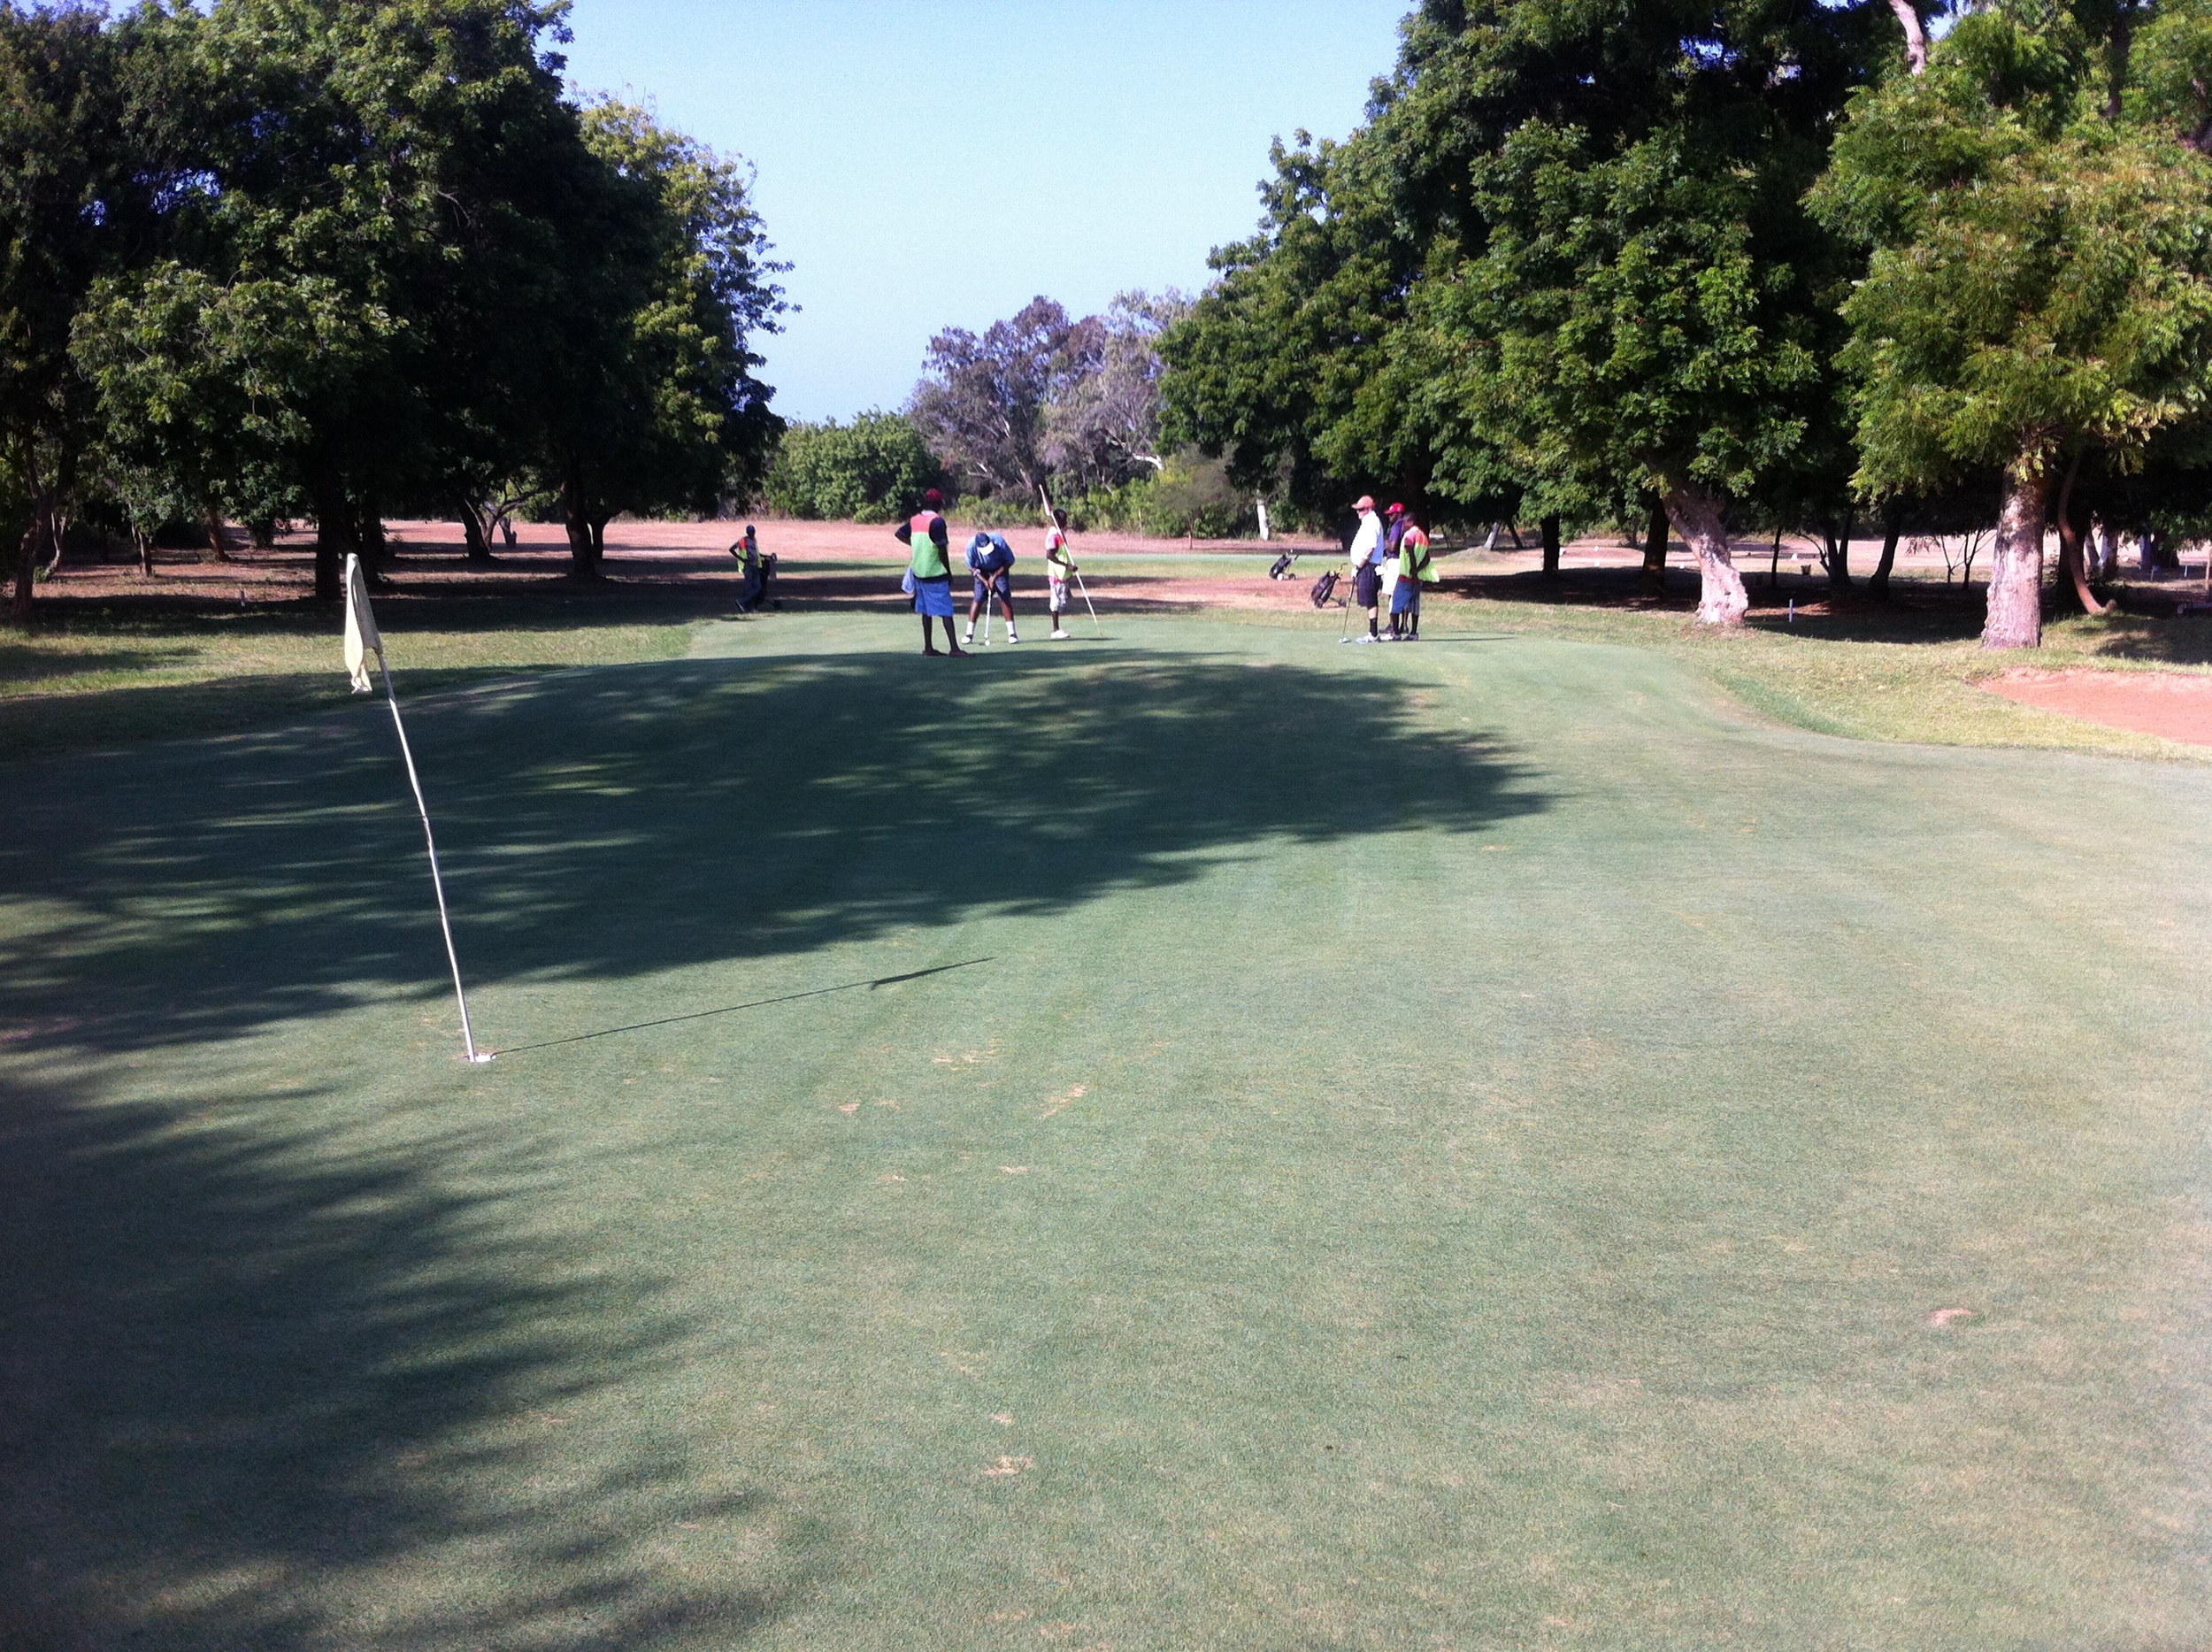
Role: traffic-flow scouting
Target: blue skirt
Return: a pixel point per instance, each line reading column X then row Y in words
column 933, row 599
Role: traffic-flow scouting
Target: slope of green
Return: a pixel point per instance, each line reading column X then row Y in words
column 1200, row 1139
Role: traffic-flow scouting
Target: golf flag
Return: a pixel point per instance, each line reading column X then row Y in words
column 361, row 641
column 361, row 638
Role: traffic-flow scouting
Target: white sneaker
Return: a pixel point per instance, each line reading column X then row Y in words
column 969, row 639
column 1011, row 637
column 1059, row 635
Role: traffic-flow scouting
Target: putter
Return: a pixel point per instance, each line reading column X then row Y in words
column 1344, row 631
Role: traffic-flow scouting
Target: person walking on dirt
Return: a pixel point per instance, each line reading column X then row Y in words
column 1059, row 565
column 1416, row 568
column 929, row 570
column 1365, row 556
column 991, row 560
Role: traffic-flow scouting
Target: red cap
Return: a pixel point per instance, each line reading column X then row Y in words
column 930, row 495
column 1365, row 502
column 1396, row 510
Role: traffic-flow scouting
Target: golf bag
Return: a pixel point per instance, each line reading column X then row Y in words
column 1282, row 568
column 1325, row 589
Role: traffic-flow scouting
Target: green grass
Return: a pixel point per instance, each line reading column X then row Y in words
column 1455, row 1146
column 142, row 673
column 1875, row 671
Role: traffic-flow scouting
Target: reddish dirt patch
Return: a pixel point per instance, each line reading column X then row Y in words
column 2150, row 703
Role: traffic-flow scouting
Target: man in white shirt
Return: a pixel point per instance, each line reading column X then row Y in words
column 1365, row 556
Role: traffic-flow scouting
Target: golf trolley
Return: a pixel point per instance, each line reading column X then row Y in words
column 760, row 587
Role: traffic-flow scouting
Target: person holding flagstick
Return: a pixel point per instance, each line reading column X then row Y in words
column 362, row 640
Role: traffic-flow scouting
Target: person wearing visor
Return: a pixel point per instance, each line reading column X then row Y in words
column 1366, row 559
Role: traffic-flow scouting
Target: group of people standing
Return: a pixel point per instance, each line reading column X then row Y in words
column 990, row 564
column 1390, row 564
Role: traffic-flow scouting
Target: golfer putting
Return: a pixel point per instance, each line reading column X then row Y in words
column 929, row 570
column 991, row 563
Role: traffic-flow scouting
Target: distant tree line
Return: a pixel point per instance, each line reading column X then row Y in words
column 342, row 259
column 1722, row 265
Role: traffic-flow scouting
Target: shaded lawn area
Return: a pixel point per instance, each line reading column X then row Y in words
column 162, row 667
column 1475, row 1145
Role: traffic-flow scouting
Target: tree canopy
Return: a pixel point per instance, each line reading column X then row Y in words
column 339, row 259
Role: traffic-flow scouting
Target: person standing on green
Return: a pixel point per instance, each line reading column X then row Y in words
column 929, row 570
column 1417, row 567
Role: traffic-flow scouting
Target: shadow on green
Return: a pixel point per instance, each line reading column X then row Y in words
column 627, row 820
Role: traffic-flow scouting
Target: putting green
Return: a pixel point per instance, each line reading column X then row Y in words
column 1199, row 1138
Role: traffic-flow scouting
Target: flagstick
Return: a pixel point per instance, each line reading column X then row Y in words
column 437, row 882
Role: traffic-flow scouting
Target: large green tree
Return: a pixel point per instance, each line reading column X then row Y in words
column 651, row 403
column 85, row 171
column 1625, row 294
column 2039, row 208
column 1286, row 365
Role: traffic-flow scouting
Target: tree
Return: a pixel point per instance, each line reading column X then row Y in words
column 2039, row 215
column 983, row 404
column 868, row 471
column 82, row 175
column 1626, row 293
column 654, row 405
column 1104, row 426
column 1284, row 364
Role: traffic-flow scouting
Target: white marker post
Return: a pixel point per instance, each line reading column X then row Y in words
column 362, row 640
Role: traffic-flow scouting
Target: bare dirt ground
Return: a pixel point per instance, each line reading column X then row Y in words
column 2169, row 703
column 843, row 563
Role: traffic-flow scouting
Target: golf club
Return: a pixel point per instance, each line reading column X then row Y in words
column 1087, row 596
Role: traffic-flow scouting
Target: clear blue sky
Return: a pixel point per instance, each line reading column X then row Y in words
column 927, row 165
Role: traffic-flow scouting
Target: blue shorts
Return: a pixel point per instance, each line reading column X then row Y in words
column 1367, row 584
column 933, row 599
column 1407, row 598
column 999, row 585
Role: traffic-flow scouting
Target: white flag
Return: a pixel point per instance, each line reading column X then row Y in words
column 361, row 638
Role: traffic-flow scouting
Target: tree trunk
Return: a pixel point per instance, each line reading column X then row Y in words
column 2070, row 545
column 368, row 535
column 1838, row 558
column 1551, row 547
column 1721, row 599
column 2014, row 618
column 212, row 524
column 474, row 530
column 39, row 527
column 145, row 541
column 333, row 536
column 2107, row 551
column 1655, row 577
column 1916, row 38
column 1893, row 527
column 583, row 556
column 59, row 530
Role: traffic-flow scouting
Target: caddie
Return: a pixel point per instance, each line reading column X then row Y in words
column 1059, row 565
column 929, row 570
column 1417, row 567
